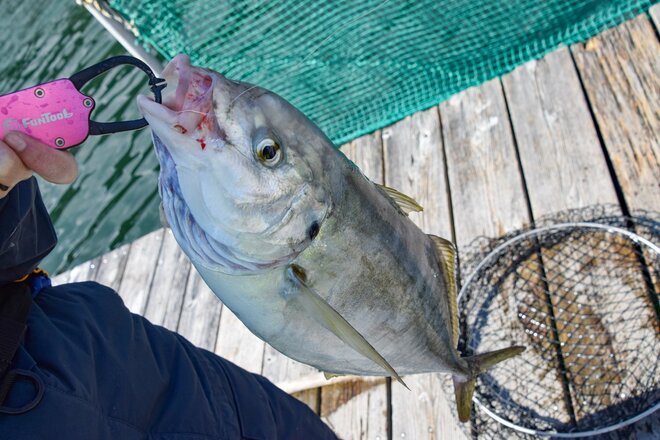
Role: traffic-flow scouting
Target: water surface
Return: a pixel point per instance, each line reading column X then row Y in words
column 114, row 200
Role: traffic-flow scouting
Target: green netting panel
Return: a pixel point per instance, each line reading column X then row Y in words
column 357, row 65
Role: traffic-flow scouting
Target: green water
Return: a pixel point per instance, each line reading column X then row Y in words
column 114, row 200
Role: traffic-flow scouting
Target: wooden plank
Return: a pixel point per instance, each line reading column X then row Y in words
column 111, row 267
column 655, row 15
column 565, row 168
column 61, row 278
column 619, row 72
column 200, row 314
column 359, row 410
column 487, row 190
column 619, row 69
column 414, row 165
column 487, row 195
column 82, row 272
column 168, row 285
column 559, row 149
column 139, row 272
column 279, row 368
column 237, row 344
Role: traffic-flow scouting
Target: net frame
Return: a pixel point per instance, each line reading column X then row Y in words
column 483, row 252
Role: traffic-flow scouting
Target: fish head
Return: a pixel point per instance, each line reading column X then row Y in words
column 243, row 177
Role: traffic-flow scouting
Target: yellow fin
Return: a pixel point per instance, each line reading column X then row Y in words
column 329, row 376
column 464, row 386
column 406, row 203
column 447, row 252
column 329, row 318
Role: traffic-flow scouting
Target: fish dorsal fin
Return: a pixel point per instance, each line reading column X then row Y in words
column 447, row 252
column 329, row 318
column 406, row 203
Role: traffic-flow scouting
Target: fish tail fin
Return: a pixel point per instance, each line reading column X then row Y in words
column 464, row 387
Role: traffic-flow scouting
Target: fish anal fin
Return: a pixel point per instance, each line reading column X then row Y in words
column 329, row 318
column 406, row 203
column 446, row 252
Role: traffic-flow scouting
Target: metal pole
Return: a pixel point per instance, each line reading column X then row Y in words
column 103, row 14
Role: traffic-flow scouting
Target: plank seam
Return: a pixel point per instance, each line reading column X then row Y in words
column 601, row 140
column 151, row 282
column 568, row 399
column 388, row 394
column 183, row 300
column 655, row 25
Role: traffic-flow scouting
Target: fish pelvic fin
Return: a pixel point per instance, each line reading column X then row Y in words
column 329, row 318
column 446, row 252
column 464, row 387
column 163, row 218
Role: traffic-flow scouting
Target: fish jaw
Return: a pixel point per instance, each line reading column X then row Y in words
column 186, row 119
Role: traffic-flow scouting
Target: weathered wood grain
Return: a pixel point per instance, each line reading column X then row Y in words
column 169, row 284
column 487, row 196
column 237, row 344
column 655, row 15
column 559, row 149
column 565, row 168
column 486, row 186
column 619, row 69
column 111, row 267
column 139, row 271
column 414, row 165
column 279, row 368
column 82, row 272
column 200, row 314
column 359, row 410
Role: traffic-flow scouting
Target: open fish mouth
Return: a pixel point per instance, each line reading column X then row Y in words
column 187, row 100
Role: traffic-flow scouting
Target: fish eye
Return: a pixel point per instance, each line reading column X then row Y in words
column 269, row 152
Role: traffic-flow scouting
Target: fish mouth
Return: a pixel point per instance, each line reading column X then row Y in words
column 188, row 105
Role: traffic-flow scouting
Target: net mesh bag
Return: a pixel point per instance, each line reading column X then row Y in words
column 580, row 291
column 357, row 65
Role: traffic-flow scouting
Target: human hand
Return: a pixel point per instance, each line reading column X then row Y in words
column 22, row 155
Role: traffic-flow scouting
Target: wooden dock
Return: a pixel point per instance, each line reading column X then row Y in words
column 577, row 128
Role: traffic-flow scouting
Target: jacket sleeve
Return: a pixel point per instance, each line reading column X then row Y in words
column 26, row 232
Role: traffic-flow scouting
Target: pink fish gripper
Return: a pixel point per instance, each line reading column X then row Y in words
column 59, row 115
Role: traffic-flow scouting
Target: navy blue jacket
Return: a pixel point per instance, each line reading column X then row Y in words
column 110, row 374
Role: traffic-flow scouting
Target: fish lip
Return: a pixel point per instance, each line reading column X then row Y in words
column 149, row 107
column 187, row 101
column 177, row 71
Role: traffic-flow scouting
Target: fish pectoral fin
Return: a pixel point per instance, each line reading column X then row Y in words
column 446, row 252
column 329, row 376
column 406, row 203
column 329, row 318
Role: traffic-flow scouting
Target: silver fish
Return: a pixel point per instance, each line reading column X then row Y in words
column 312, row 256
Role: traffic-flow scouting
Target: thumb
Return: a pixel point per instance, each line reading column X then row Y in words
column 53, row 165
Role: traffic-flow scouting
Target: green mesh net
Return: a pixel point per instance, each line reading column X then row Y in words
column 357, row 65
